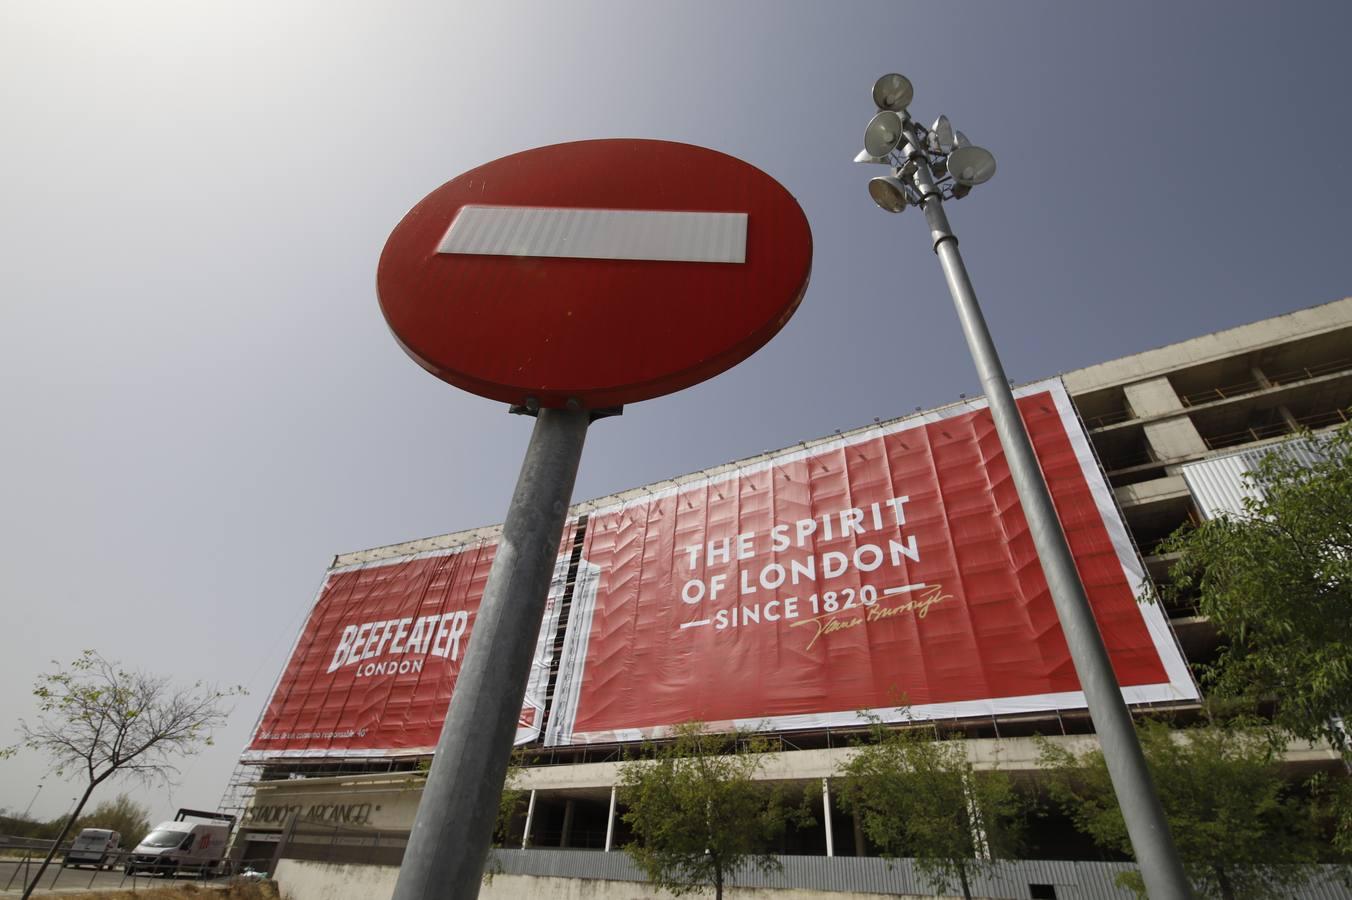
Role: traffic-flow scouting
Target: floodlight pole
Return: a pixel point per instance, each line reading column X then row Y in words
column 453, row 829
column 1141, row 809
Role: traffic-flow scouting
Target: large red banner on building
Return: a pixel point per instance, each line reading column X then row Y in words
column 891, row 567
column 375, row 664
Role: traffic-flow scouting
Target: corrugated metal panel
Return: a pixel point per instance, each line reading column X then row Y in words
column 1219, row 485
column 1073, row 880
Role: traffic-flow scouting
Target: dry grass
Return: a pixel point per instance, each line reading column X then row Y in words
column 260, row 890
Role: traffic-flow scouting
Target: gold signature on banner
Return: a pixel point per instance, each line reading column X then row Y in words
column 830, row 623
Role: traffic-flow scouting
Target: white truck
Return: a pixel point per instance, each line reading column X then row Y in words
column 183, row 846
column 95, row 847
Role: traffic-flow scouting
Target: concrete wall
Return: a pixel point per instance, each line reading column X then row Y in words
column 325, row 881
column 530, row 887
column 585, row 875
column 301, row 880
column 386, row 801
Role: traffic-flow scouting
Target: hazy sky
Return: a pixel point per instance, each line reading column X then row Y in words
column 201, row 403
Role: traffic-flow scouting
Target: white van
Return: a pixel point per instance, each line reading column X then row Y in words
column 173, row 846
column 93, row 847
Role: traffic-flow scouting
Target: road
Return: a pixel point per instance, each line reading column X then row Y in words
column 56, row 881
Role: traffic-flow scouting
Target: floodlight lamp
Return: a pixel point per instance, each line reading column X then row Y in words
column 888, row 192
column 864, row 157
column 971, row 165
column 893, row 92
column 941, row 135
column 960, row 140
column 883, row 133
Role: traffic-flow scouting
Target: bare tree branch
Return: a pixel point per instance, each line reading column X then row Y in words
column 105, row 721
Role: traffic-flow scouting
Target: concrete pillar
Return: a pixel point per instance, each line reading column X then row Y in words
column 610, row 822
column 1260, row 377
column 1174, row 438
column 530, row 819
column 1154, row 397
column 1171, row 438
column 569, row 806
column 826, row 817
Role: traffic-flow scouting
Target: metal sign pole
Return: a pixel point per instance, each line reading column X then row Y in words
column 451, row 834
column 1136, row 795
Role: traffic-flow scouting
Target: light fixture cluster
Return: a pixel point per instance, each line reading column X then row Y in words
column 893, row 139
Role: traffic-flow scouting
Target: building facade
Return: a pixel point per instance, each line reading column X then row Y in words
column 1148, row 418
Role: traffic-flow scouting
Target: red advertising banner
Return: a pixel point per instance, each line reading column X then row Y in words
column 890, row 567
column 374, row 666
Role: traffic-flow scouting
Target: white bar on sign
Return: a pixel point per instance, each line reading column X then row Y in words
column 716, row 237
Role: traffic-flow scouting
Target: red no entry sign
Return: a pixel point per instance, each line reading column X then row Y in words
column 606, row 271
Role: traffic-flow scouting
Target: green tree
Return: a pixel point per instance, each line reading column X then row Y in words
column 1332, row 795
column 26, row 827
column 122, row 814
column 510, row 804
column 1242, row 830
column 918, row 796
column 98, row 720
column 698, row 813
column 1277, row 583
column 513, row 799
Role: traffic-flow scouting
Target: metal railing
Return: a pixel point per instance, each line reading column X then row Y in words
column 1241, row 388
column 1312, row 421
column 1112, row 418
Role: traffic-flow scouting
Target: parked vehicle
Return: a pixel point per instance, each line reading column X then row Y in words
column 95, row 847
column 181, row 845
